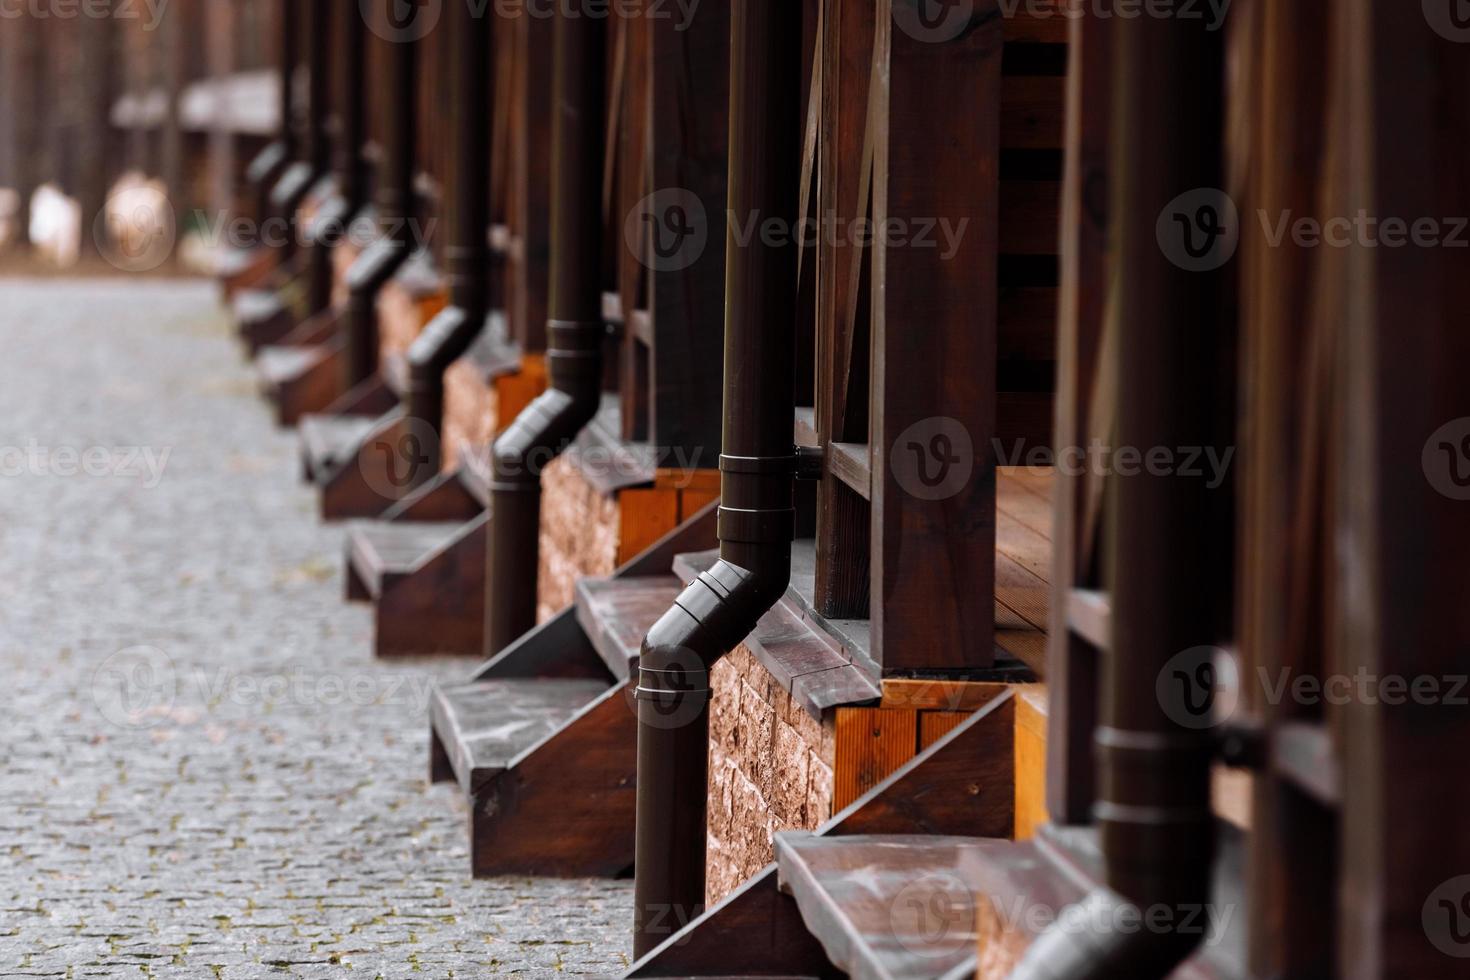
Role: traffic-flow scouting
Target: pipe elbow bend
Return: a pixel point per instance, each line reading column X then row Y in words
column 292, row 186
column 375, row 266
column 267, row 163
column 329, row 225
column 540, row 433
column 711, row 617
column 442, row 342
column 1101, row 938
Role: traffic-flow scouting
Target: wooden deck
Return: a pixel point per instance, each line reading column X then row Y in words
column 1023, row 561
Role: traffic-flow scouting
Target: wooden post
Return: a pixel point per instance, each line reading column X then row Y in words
column 936, row 156
column 1398, row 578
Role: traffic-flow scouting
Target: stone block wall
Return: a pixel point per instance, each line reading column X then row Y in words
column 402, row 314
column 770, row 769
column 470, row 411
column 579, row 535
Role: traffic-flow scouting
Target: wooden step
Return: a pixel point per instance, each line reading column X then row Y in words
column 329, row 441
column 486, row 725
column 299, row 380
column 548, row 766
column 262, row 316
column 380, row 551
column 958, row 785
column 277, row 365
column 427, row 584
column 886, row 907
column 616, row 613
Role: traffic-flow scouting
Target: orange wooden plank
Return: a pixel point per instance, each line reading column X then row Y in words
column 704, row 481
column 934, row 725
column 644, row 516
column 939, row 694
column 1030, row 767
column 517, row 390
column 870, row 744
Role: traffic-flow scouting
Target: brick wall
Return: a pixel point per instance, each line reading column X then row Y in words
column 470, row 410
column 579, row 535
column 342, row 258
column 770, row 769
column 400, row 318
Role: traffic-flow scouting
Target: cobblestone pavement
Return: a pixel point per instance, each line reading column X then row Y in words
column 205, row 773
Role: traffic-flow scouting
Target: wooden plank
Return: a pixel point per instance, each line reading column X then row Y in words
column 1029, row 216
column 516, row 390
column 1026, row 323
column 870, row 743
column 1071, row 669
column 644, row 516
column 843, row 531
column 934, row 725
column 850, row 463
column 616, row 613
column 698, row 481
column 1030, row 754
column 934, row 694
column 963, row 783
column 693, row 501
column 931, row 557
column 1031, row 112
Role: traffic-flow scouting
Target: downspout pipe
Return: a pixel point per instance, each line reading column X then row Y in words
column 269, row 164
column 320, row 57
column 575, row 331
column 467, row 244
column 380, row 261
column 1168, row 559
column 757, row 463
column 305, row 168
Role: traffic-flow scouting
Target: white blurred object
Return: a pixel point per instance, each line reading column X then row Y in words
column 56, row 225
column 138, row 232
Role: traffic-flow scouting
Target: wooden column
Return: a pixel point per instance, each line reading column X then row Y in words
column 1398, row 571
column 936, row 155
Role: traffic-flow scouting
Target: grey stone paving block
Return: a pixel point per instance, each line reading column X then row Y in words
column 206, row 773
